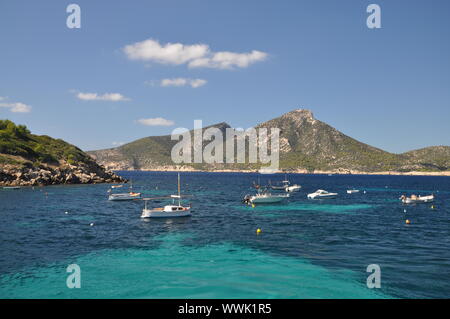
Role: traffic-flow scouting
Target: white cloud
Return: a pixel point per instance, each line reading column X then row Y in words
column 228, row 60
column 197, row 83
column 157, row 121
column 194, row 83
column 170, row 53
column 16, row 107
column 112, row 97
column 195, row 56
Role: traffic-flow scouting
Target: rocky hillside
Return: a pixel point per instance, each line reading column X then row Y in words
column 308, row 143
column 430, row 158
column 28, row 159
column 305, row 144
column 145, row 153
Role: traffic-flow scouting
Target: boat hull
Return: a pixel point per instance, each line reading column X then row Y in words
column 266, row 200
column 291, row 189
column 419, row 200
column 124, row 197
column 322, row 196
column 154, row 213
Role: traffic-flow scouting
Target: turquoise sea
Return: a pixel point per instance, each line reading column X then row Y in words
column 307, row 249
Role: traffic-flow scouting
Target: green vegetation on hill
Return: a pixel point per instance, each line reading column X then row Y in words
column 305, row 143
column 18, row 145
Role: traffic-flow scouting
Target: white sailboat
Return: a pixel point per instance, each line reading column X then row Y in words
column 168, row 211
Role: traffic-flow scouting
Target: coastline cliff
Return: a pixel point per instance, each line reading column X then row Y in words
column 32, row 160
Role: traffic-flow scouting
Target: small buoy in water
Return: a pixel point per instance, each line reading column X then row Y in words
column 432, row 206
column 364, row 192
column 91, row 224
column 404, row 210
column 66, row 213
column 408, row 221
column 258, row 231
column 253, row 205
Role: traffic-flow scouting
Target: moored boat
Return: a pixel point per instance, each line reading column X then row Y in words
column 417, row 199
column 11, row 187
column 321, row 194
column 264, row 197
column 123, row 196
column 293, row 188
column 352, row 191
column 168, row 211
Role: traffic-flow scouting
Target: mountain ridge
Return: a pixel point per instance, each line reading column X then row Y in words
column 306, row 144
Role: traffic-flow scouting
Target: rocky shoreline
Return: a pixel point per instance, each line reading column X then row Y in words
column 297, row 171
column 42, row 175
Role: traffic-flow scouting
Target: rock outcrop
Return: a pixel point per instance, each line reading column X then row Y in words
column 29, row 159
column 29, row 175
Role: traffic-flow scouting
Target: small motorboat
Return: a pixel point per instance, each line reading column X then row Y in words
column 321, row 194
column 264, row 197
column 281, row 186
column 293, row 188
column 123, row 196
column 11, row 187
column 285, row 186
column 168, row 211
column 352, row 191
column 417, row 199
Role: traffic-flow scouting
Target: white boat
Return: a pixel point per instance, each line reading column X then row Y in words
column 283, row 186
column 320, row 193
column 123, row 196
column 286, row 186
column 168, row 211
column 280, row 185
column 352, row 191
column 11, row 187
column 417, row 199
column 293, row 188
column 264, row 197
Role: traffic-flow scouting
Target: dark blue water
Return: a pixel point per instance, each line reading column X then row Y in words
column 317, row 249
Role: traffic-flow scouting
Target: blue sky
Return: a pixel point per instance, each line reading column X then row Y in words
column 387, row 87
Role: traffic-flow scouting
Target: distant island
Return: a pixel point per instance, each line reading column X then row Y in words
column 31, row 160
column 307, row 145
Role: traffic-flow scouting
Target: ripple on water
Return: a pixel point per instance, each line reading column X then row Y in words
column 322, row 207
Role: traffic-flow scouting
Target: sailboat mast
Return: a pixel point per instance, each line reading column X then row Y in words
column 179, row 195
